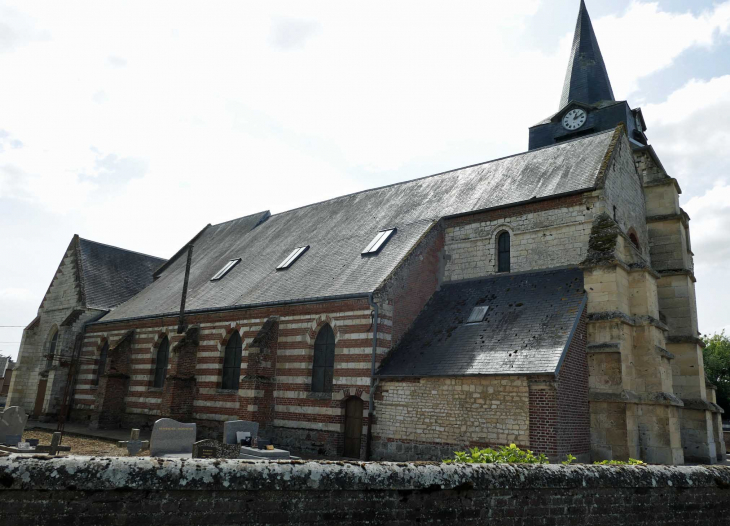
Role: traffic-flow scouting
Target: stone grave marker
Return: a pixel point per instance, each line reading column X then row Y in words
column 232, row 427
column 252, row 453
column 171, row 438
column 214, row 449
column 12, row 423
column 134, row 444
column 55, row 446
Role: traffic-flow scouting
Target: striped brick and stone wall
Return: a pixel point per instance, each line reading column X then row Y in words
column 275, row 382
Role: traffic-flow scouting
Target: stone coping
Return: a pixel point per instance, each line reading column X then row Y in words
column 156, row 474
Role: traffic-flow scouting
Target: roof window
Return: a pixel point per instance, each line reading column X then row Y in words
column 222, row 272
column 478, row 314
column 379, row 241
column 291, row 258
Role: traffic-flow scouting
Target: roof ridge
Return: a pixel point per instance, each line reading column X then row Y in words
column 563, row 143
column 263, row 212
column 119, row 248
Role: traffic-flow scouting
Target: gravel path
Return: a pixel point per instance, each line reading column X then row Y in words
column 82, row 445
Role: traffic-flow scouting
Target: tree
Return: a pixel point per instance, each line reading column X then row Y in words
column 717, row 367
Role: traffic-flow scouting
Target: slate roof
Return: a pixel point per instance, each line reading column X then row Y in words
column 338, row 229
column 112, row 275
column 586, row 79
column 4, row 362
column 526, row 331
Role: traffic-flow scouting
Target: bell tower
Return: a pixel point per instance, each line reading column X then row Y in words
column 587, row 104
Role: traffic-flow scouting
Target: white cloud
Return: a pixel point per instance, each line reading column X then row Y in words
column 646, row 39
column 691, row 134
column 709, row 227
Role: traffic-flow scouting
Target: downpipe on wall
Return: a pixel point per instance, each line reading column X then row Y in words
column 373, row 383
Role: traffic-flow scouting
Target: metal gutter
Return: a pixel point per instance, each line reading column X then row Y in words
column 369, row 438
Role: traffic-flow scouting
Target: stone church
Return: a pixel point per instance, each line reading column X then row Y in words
column 544, row 299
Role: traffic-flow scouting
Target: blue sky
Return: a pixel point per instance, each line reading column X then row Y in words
column 137, row 123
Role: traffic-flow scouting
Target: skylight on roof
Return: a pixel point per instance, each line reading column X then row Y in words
column 478, row 314
column 222, row 272
column 379, row 241
column 291, row 258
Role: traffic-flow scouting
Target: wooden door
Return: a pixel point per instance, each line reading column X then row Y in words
column 40, row 397
column 353, row 427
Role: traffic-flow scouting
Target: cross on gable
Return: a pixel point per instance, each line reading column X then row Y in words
column 134, row 444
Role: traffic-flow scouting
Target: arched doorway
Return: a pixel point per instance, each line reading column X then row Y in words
column 353, row 427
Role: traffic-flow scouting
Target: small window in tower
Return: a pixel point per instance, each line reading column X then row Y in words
column 379, row 241
column 503, row 252
column 291, row 258
column 226, row 268
column 478, row 314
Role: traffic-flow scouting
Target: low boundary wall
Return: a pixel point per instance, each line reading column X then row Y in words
column 145, row 491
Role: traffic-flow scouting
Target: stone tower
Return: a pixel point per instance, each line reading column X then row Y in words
column 649, row 397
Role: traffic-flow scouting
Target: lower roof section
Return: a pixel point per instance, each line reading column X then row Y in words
column 528, row 326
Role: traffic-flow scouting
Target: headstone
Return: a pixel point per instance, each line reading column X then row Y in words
column 13, row 440
column 214, row 449
column 171, row 438
column 134, row 444
column 55, row 446
column 232, row 427
column 12, row 422
column 252, row 453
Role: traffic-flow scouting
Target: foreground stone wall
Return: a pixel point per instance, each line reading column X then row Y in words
column 144, row 491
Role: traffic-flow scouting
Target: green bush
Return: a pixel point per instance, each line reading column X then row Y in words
column 504, row 455
column 631, row 462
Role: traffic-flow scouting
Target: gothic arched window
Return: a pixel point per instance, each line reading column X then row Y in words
column 52, row 349
column 232, row 362
column 634, row 239
column 323, row 367
column 503, row 252
column 163, row 354
column 102, row 363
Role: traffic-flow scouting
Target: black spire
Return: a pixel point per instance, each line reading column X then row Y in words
column 586, row 79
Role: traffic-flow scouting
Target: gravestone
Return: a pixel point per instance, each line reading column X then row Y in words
column 134, row 444
column 171, row 438
column 232, row 427
column 12, row 423
column 214, row 449
column 253, row 453
column 55, row 446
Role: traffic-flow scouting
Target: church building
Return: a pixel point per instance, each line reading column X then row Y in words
column 545, row 299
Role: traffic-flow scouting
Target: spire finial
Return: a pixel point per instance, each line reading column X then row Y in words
column 586, row 79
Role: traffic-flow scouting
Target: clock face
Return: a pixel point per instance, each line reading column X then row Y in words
column 574, row 119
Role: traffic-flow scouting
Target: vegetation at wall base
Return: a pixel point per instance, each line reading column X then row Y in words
column 504, row 455
column 513, row 455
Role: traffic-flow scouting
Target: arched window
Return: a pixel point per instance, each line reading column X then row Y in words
column 503, row 252
column 323, row 367
column 232, row 362
column 102, row 362
column 163, row 354
column 52, row 349
column 634, row 240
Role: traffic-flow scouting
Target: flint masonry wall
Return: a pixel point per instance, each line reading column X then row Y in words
column 144, row 491
column 430, row 418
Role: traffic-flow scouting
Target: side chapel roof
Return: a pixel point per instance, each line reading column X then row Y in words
column 529, row 324
column 339, row 229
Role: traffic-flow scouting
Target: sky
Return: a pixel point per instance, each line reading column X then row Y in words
column 137, row 123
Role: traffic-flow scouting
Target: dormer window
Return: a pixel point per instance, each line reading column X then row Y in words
column 226, row 268
column 291, row 258
column 379, row 241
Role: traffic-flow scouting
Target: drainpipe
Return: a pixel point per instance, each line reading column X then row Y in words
column 181, row 321
column 373, row 383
